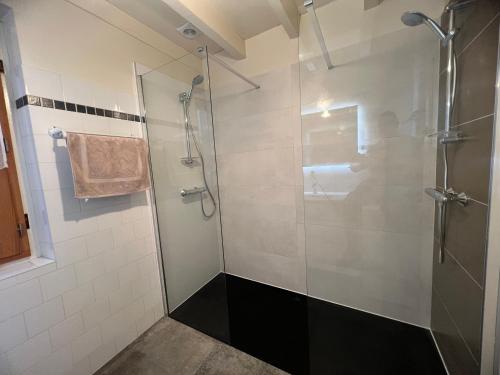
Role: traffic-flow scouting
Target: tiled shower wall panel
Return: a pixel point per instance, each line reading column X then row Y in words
column 104, row 288
column 259, row 155
column 458, row 283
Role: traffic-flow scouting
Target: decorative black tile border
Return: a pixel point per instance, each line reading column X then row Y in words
column 73, row 107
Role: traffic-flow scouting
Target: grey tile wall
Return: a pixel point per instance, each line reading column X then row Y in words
column 457, row 300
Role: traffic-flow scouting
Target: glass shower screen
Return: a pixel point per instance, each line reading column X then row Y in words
column 180, row 133
column 366, row 159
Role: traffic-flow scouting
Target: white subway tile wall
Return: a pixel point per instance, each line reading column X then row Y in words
column 104, row 289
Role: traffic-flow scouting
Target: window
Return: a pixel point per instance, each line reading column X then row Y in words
column 13, row 221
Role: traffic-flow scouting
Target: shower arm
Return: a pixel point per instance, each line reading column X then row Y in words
column 309, row 5
column 201, row 50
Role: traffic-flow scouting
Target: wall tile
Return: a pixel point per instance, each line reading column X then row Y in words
column 4, row 365
column 58, row 282
column 21, row 297
column 44, row 316
column 102, row 355
column 99, row 242
column 69, row 252
column 121, row 321
column 259, row 131
column 457, row 356
column 466, row 237
column 270, row 168
column 128, row 274
column 80, row 368
column 63, row 333
column 452, row 284
column 105, row 284
column 475, row 95
column 71, row 225
column 77, row 299
column 28, row 354
column 12, row 333
column 96, row 312
column 472, row 19
column 125, row 337
column 123, row 234
column 86, row 344
column 470, row 160
column 89, row 269
column 120, row 298
column 57, row 363
column 42, row 82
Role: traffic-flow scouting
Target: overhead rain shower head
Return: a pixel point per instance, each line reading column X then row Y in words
column 413, row 18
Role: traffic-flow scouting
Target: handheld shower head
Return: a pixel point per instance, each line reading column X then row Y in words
column 186, row 96
column 197, row 80
column 413, row 18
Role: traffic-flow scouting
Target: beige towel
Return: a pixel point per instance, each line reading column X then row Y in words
column 105, row 166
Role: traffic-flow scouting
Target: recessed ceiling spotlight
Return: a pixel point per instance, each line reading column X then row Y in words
column 188, row 31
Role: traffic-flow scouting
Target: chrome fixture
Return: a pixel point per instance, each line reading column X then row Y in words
column 447, row 136
column 309, row 5
column 442, row 198
column 195, row 190
column 461, row 198
column 413, row 18
column 202, row 51
column 189, row 161
column 185, row 99
column 188, row 31
column 57, row 133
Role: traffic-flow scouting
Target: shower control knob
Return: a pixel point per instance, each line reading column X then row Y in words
column 195, row 190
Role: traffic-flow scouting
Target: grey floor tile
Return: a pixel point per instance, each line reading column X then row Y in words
column 171, row 348
column 225, row 360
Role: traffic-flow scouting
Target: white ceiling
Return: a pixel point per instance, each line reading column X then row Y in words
column 162, row 19
column 247, row 17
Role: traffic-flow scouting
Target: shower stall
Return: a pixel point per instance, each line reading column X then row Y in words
column 291, row 207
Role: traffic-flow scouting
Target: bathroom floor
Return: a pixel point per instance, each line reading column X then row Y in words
column 170, row 347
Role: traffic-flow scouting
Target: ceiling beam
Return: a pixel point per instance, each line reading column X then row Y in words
column 122, row 21
column 372, row 3
column 287, row 13
column 212, row 23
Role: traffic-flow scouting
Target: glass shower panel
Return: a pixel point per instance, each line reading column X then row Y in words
column 190, row 241
column 367, row 159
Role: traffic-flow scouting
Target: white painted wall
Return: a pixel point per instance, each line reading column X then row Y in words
column 103, row 290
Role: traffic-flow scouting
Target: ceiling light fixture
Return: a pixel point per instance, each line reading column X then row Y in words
column 188, row 31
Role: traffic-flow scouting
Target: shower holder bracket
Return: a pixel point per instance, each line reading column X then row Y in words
column 190, row 162
column 450, row 137
column 461, row 198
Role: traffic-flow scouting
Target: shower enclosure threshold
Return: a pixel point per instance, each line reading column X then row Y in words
column 303, row 335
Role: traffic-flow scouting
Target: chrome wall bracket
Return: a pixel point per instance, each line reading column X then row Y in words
column 450, row 136
column 442, row 198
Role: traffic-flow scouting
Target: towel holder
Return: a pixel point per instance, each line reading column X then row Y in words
column 57, row 133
